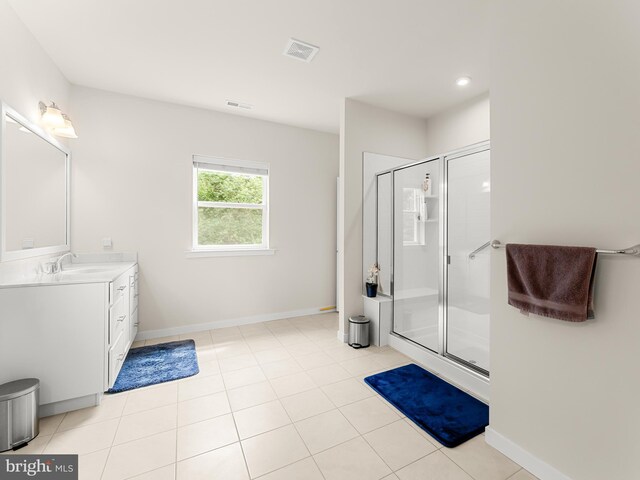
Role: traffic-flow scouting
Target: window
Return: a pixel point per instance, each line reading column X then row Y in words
column 230, row 205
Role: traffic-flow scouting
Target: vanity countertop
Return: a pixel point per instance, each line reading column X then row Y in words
column 87, row 268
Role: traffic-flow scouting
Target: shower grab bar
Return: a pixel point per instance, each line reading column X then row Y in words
column 472, row 255
column 634, row 250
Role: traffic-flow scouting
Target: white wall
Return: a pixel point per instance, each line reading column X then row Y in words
column 457, row 127
column 372, row 163
column 28, row 74
column 132, row 182
column 28, row 77
column 565, row 126
column 364, row 128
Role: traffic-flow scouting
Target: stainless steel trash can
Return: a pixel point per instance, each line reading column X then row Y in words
column 19, row 405
column 359, row 331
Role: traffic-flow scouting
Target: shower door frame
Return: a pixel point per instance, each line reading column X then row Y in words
column 442, row 252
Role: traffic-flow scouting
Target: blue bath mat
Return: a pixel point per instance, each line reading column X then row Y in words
column 146, row 366
column 445, row 412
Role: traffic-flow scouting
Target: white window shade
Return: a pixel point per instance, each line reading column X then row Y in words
column 231, row 166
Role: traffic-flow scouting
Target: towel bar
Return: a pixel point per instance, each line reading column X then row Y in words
column 635, row 250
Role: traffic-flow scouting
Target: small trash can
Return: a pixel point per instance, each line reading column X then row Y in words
column 359, row 331
column 19, row 406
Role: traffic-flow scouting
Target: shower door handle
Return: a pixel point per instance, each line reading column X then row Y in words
column 472, row 255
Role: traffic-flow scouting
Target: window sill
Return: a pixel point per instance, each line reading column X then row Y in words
column 229, row 253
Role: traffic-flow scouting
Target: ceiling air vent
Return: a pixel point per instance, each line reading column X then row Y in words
column 234, row 104
column 300, row 50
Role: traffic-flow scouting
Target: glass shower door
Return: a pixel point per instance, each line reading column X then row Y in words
column 467, row 249
column 416, row 253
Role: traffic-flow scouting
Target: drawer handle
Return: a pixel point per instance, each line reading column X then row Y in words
column 136, row 324
column 121, row 318
column 121, row 356
column 136, row 295
column 122, row 287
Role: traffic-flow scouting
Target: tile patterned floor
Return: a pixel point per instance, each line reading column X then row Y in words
column 280, row 400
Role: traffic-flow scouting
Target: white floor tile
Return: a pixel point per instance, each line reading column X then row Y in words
column 292, row 384
column 369, row 414
column 199, row 387
column 307, row 404
column 238, row 362
column 163, row 473
column 147, row 423
column 151, row 397
column 398, row 444
column 303, row 470
column 245, row 376
column 325, row 431
column 354, row 460
column 347, row 391
column 523, row 475
column 435, row 466
column 49, row 425
column 110, row 408
column 260, row 419
column 204, row 436
column 225, row 463
column 202, row 408
column 251, row 395
column 140, row 456
column 272, row 355
column 482, row 461
column 273, row 450
column 91, row 465
column 87, row 439
column 328, row 374
column 314, row 360
column 281, row 368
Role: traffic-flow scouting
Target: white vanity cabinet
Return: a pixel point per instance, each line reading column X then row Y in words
column 122, row 321
column 73, row 335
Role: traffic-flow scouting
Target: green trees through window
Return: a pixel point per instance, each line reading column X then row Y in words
column 220, row 223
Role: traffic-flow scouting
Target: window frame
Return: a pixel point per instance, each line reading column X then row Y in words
column 230, row 166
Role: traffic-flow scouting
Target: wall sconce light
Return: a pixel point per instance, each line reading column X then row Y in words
column 51, row 115
column 67, row 131
column 59, row 123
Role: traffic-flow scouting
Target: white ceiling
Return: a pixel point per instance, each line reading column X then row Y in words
column 402, row 55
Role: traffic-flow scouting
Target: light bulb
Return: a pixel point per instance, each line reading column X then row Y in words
column 52, row 117
column 463, row 81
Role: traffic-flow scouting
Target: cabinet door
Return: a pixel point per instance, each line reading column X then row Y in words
column 117, row 353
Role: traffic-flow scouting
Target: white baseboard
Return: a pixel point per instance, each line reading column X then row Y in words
column 342, row 337
column 232, row 322
column 528, row 461
column 70, row 405
column 473, row 383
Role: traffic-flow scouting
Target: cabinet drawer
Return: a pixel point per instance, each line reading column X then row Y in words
column 118, row 288
column 116, row 358
column 117, row 319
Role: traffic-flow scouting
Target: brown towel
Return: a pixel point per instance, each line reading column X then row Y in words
column 552, row 281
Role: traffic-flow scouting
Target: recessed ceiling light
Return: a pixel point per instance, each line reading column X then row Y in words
column 463, row 81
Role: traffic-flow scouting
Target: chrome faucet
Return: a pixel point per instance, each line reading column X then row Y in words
column 55, row 266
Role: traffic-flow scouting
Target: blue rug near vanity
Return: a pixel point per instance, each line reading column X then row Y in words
column 445, row 412
column 154, row 364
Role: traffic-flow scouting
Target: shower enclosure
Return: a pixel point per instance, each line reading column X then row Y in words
column 439, row 223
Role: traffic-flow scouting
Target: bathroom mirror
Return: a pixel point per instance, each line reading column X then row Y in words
column 34, row 186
